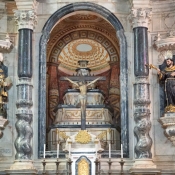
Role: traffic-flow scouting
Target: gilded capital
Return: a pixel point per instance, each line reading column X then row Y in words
column 140, row 17
column 25, row 19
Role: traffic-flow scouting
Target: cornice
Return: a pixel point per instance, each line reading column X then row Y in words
column 140, row 4
column 26, row 4
column 5, row 45
column 165, row 44
column 164, row 6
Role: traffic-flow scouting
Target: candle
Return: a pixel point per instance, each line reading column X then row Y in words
column 121, row 151
column 96, row 150
column 57, row 135
column 44, row 151
column 57, row 150
column 109, row 150
column 69, row 148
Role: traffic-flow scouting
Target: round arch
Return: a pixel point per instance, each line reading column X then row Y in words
column 105, row 13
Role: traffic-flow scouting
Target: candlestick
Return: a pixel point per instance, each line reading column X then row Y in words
column 69, row 166
column 121, row 164
column 109, row 150
column 109, row 163
column 57, row 150
column 44, row 165
column 121, row 151
column 97, row 162
column 44, row 151
column 57, row 164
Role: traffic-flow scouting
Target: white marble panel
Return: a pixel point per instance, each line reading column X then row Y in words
column 6, row 144
column 161, row 144
column 49, row 8
column 3, row 24
column 156, row 25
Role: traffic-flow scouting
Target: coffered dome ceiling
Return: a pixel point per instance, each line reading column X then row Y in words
column 83, row 36
column 84, row 49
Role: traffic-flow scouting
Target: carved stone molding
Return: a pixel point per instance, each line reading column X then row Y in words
column 141, row 80
column 26, row 4
column 24, row 115
column 3, row 123
column 142, row 117
column 5, row 45
column 166, row 43
column 25, row 19
column 140, row 17
column 168, row 123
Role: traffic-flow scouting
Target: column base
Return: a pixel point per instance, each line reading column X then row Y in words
column 144, row 167
column 22, row 167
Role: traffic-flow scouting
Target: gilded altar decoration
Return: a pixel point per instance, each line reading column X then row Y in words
column 83, row 137
column 102, row 135
column 62, row 134
column 170, row 108
column 83, row 167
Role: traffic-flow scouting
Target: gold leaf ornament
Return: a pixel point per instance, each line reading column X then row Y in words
column 83, row 137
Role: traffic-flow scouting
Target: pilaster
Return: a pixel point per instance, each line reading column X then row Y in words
column 25, row 18
column 53, row 92
column 2, row 9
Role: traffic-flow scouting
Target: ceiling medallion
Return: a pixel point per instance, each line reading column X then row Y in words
column 84, row 47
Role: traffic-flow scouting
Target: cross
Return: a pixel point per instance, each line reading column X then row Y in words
column 82, row 82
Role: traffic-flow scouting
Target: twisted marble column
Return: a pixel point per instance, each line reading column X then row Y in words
column 25, row 21
column 141, row 86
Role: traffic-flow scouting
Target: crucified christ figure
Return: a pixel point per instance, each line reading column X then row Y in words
column 83, row 86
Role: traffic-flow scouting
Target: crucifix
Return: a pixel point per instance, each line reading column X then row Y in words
column 82, row 82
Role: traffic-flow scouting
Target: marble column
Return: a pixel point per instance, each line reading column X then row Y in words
column 26, row 21
column 142, row 127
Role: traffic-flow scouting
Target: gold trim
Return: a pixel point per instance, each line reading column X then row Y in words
column 170, row 69
column 170, row 108
column 83, row 137
column 63, row 135
column 83, row 167
column 102, row 135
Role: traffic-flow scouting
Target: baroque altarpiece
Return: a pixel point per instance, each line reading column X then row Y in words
column 87, row 87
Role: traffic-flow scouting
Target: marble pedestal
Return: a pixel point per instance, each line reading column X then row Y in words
column 104, row 135
column 144, row 167
column 168, row 123
column 22, row 167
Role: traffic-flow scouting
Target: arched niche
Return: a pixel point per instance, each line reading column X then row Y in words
column 105, row 13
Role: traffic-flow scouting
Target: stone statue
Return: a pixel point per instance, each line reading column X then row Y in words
column 5, row 83
column 82, row 86
column 168, row 76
